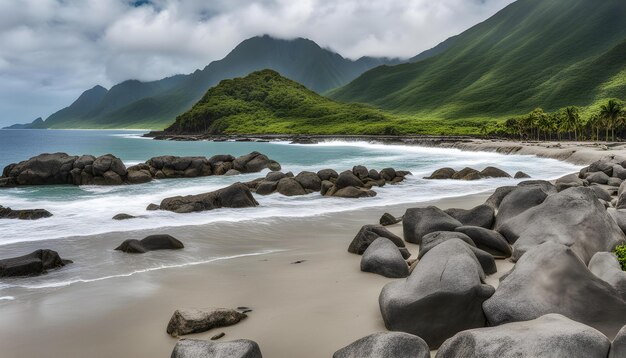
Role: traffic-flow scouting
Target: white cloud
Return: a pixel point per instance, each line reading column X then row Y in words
column 52, row 50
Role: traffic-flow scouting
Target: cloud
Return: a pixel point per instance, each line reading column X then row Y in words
column 52, row 50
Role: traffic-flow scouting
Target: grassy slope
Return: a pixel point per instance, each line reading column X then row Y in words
column 533, row 53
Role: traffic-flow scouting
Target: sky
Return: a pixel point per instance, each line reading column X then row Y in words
column 53, row 50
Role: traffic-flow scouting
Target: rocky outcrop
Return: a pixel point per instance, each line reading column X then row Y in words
column 236, row 195
column 26, row 214
column 150, row 243
column 551, row 335
column 468, row 174
column 187, row 321
column 418, row 222
column 383, row 257
column 195, row 348
column 34, row 264
column 386, row 344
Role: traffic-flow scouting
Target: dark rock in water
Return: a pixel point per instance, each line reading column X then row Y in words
column 290, row 187
column 360, row 171
column 516, row 202
column 106, row 163
column 326, row 186
column 383, row 257
column 618, row 347
column 195, row 348
column 44, row 169
column 303, row 140
column 521, row 175
column 327, row 174
column 488, row 240
column 442, row 296
column 601, row 166
column 606, row 267
column 573, row 217
column 354, row 192
column 276, row 176
column 254, row 162
column 347, row 179
column 443, row 173
column 482, row 215
column 467, row 174
column 551, row 335
column 34, row 264
column 152, row 207
column 418, row 222
column 551, row 278
column 150, row 243
column 498, row 195
column 237, row 195
column 368, row 234
column 388, row 174
column 27, row 214
column 123, row 217
column 138, row 177
column 266, row 187
column 309, row 180
column 187, row 321
column 388, row 219
column 232, row 172
column 373, row 174
column 431, row 240
column 493, row 172
column 386, row 345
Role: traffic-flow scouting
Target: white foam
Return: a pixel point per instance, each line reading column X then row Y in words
column 7, row 298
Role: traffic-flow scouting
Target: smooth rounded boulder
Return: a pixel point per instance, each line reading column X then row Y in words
column 309, row 180
column 498, row 195
column 618, row 346
column 441, row 297
column 435, row 238
column 34, row 264
column 383, row 257
column 368, row 233
column 195, row 348
column 443, row 173
column 348, row 179
column 386, row 345
column 606, row 267
column 290, row 187
column 518, row 201
column 493, row 172
column 488, row 240
column 482, row 215
column 548, row 336
column 418, row 222
column 467, row 174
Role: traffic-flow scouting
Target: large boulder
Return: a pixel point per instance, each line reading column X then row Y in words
column 498, row 195
column 266, row 187
column 598, row 178
column 488, row 240
column 44, row 169
column 327, row 174
column 467, row 174
column 521, row 175
column 619, row 216
column 443, row 173
column 309, row 180
column 368, row 233
column 482, row 215
column 360, row 171
column 551, row 335
column 619, row 172
column 34, row 264
column 25, row 214
column 601, row 166
column 386, row 345
column 352, row 192
column 187, row 321
column 236, row 195
column 442, row 296
column 195, row 348
column 254, row 162
column 518, row 201
column 433, row 239
column 106, row 163
column 551, row 278
column 150, row 243
column 618, row 347
column 573, row 217
column 418, row 222
column 606, row 266
column 493, row 172
column 290, row 187
column 348, row 179
column 383, row 257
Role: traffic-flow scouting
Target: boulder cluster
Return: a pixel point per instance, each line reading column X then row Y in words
column 355, row 183
column 61, row 168
column 26, row 214
column 565, row 295
column 473, row 174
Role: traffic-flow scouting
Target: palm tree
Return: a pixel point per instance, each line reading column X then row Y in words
column 612, row 114
column 572, row 120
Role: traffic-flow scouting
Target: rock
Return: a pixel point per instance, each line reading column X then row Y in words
column 106, row 163
column 493, row 172
column 418, row 222
column 442, row 296
column 573, row 217
column 618, row 347
column 123, row 217
column 598, row 178
column 150, row 243
column 569, row 181
column 275, row 176
column 433, row 239
column 443, row 173
column 348, row 179
column 220, row 158
column 388, row 174
column 467, row 174
column 487, row 240
column 606, row 267
column 354, row 192
column 388, row 219
column 619, row 216
column 601, row 166
column 195, row 348
column 482, row 215
column 326, row 186
column 218, row 336
column 373, row 174
column 26, row 214
column 498, row 195
column 517, row 202
column 309, row 180
column 152, row 207
column 187, row 321
column 383, row 257
column 34, row 264
column 236, row 195
column 83, row 161
column 251, row 163
column 266, row 187
column 327, row 174
column 551, row 278
column 44, row 169
column 545, row 185
column 601, row 193
column 386, row 345
column 616, row 182
column 138, row 177
column 360, row 171
column 521, row 175
column 290, row 187
column 619, row 172
column 551, row 335
column 367, row 234
column 111, row 178
column 232, row 172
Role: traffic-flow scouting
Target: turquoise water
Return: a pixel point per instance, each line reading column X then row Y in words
column 80, row 214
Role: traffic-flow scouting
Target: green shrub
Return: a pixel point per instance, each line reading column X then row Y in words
column 620, row 251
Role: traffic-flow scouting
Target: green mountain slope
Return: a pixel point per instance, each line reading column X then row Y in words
column 36, row 124
column 266, row 102
column 548, row 53
column 135, row 104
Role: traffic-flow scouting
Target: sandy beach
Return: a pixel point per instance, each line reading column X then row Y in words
column 309, row 309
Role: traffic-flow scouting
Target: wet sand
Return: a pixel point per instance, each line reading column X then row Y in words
column 309, row 309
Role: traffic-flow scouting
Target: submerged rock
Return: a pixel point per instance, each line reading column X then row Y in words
column 386, row 345
column 34, row 264
column 26, row 214
column 195, row 348
column 150, row 243
column 187, row 321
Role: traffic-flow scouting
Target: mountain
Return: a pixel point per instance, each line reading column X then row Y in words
column 36, row 124
column 533, row 53
column 266, row 102
column 135, row 104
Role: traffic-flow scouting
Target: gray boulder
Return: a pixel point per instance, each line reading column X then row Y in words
column 150, row 243
column 498, row 195
column 388, row 219
column 442, row 296
column 44, row 169
column 24, row 214
column 616, row 182
column 254, row 162
column 266, row 187
column 123, row 216
column 597, row 177
column 521, row 175
column 327, row 174
column 386, row 345
column 232, row 172
column 619, row 172
column 354, row 192
column 187, row 321
column 606, row 266
column 467, row 174
column 418, row 222
column 433, row 239
column 619, row 216
column 360, row 171
column 195, row 348
column 601, row 193
column 290, row 187
column 368, row 233
column 493, row 172
column 482, row 215
column 309, row 180
column 383, row 257
column 551, row 278
column 34, row 264
column 618, row 347
column 108, row 162
column 443, row 173
column 236, row 195
column 518, row 201
column 488, row 240
column 551, row 335
column 569, row 181
column 348, row 179
column 601, row 166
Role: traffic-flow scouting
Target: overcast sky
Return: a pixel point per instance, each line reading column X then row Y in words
column 52, row 50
